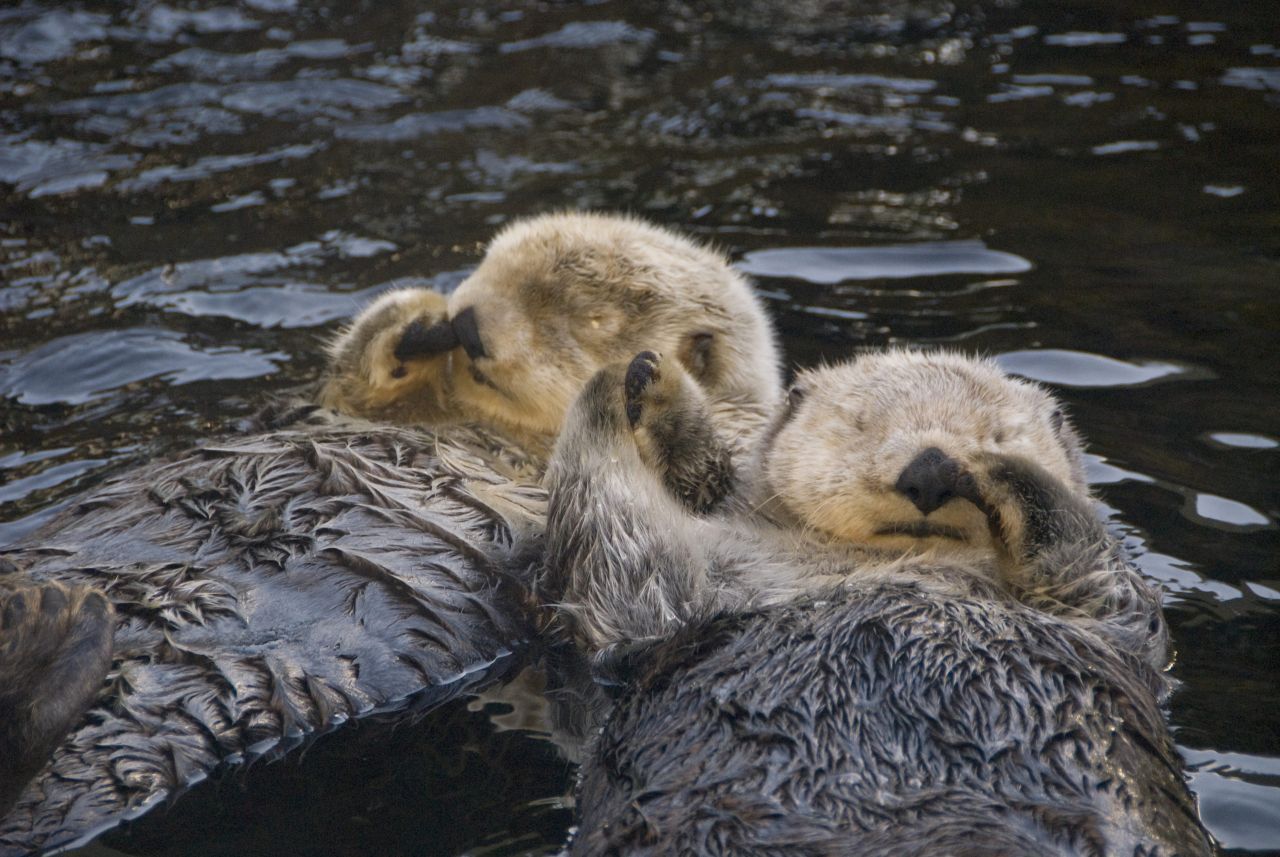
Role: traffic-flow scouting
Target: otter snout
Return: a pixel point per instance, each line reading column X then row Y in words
column 419, row 340
column 930, row 480
column 468, row 333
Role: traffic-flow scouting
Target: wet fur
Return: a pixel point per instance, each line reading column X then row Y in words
column 268, row 588
column 888, row 720
column 869, row 701
column 56, row 639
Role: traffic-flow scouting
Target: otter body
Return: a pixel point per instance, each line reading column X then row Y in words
column 890, row 721
column 981, row 681
column 831, row 494
column 270, row 586
column 267, row 589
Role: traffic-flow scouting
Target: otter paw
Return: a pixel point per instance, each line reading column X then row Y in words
column 55, row 651
column 1027, row 507
column 642, row 373
column 428, row 335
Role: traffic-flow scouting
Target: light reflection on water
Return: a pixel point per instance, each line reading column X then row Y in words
column 192, row 194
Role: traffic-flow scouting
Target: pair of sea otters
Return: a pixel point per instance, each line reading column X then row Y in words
column 872, row 614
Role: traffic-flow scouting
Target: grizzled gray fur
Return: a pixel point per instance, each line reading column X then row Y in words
column 790, row 694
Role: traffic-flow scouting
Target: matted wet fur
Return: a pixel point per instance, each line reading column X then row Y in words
column 887, row 721
column 994, row 691
column 269, row 587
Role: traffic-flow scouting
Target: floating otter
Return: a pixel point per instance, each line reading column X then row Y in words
column 555, row 298
column 270, row 586
column 887, row 681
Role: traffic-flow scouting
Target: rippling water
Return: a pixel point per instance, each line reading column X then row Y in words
column 191, row 196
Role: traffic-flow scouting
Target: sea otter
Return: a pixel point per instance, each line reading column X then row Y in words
column 908, row 634
column 555, row 298
column 321, row 566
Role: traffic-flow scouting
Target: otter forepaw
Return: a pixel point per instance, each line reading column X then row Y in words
column 642, row 373
column 428, row 335
column 670, row 416
column 55, row 651
column 1027, row 507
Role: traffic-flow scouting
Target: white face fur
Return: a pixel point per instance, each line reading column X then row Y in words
column 560, row 296
column 841, row 459
column 555, row 298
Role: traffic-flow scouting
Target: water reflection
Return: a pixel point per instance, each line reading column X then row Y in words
column 193, row 193
column 1077, row 369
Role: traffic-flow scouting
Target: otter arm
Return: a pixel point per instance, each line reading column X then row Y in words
column 266, row 591
column 624, row 561
column 1071, row 565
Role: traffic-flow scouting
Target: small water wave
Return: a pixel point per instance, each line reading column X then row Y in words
column 81, row 368
column 831, row 265
column 414, row 125
column 1242, row 440
column 1068, row 368
column 582, row 35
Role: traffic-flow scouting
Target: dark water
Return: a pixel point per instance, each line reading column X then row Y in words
column 191, row 196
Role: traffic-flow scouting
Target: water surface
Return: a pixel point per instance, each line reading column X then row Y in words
column 193, row 195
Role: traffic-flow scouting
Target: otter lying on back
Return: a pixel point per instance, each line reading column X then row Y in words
column 907, row 634
column 555, row 298
column 899, row 465
column 269, row 586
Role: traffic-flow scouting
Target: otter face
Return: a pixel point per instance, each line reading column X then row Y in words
column 882, row 451
column 559, row 296
column 394, row 359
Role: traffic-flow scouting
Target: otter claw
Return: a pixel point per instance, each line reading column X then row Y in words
column 642, row 372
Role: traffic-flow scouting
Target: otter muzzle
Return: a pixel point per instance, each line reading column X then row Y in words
column 930, row 480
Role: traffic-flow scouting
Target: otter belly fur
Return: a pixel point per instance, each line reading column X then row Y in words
column 887, row 721
column 267, row 589
column 990, row 686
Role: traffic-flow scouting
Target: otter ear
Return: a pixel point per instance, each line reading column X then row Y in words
column 418, row 340
column 697, row 353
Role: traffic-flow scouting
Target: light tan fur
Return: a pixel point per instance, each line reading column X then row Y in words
column 555, row 298
column 831, row 463
column 631, row 561
column 366, row 380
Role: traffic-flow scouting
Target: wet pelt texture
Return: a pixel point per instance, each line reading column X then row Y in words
column 890, row 722
column 266, row 590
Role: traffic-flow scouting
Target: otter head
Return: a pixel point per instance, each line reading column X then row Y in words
column 559, row 296
column 394, row 361
column 884, row 451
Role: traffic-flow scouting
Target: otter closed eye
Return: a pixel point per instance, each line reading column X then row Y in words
column 818, row 501
column 555, row 298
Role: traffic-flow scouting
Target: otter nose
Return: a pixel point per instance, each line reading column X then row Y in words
column 929, row 480
column 464, row 324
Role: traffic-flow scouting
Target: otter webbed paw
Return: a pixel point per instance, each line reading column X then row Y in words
column 55, row 650
column 1028, row 508
column 427, row 336
column 671, row 419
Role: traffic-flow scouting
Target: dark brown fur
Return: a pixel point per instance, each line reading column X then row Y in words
column 55, row 649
